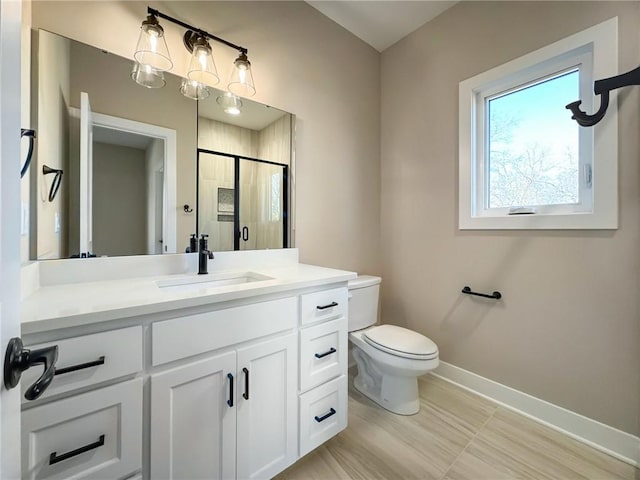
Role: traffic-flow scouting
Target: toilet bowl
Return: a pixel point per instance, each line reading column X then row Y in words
column 389, row 358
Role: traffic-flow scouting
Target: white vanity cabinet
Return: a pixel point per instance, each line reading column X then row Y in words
column 222, row 387
column 323, row 366
column 232, row 415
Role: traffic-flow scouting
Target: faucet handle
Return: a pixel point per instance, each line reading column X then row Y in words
column 203, row 242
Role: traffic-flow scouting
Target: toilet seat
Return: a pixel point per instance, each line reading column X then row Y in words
column 401, row 342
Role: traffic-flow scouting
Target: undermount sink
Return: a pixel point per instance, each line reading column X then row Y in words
column 201, row 282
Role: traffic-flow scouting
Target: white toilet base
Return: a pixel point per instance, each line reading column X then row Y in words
column 396, row 394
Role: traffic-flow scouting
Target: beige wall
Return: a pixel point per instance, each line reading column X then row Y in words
column 568, row 327
column 119, row 200
column 303, row 63
column 52, row 133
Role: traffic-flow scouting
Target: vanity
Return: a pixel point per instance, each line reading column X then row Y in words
column 162, row 373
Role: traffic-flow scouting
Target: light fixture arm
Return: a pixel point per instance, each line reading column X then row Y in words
column 157, row 13
column 602, row 88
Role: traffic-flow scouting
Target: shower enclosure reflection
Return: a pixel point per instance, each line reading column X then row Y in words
column 244, row 177
column 242, row 202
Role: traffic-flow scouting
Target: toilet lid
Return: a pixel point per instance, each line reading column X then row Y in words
column 401, row 342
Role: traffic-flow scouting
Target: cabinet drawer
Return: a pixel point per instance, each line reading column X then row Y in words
column 93, row 435
column 98, row 357
column 323, row 413
column 324, row 305
column 187, row 336
column 323, row 353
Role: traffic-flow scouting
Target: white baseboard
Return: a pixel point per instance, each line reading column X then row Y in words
column 619, row 444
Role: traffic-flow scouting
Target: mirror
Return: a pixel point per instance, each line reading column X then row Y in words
column 129, row 158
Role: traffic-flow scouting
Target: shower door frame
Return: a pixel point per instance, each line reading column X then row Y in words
column 236, row 194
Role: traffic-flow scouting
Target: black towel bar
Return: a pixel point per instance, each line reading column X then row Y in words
column 494, row 295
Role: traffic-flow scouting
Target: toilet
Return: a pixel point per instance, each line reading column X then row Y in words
column 389, row 358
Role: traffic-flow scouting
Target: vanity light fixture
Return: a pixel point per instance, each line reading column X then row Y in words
column 241, row 79
column 152, row 52
column 194, row 90
column 230, row 103
column 147, row 76
column 202, row 68
column 152, row 49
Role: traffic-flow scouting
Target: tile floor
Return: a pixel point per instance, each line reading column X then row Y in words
column 456, row 436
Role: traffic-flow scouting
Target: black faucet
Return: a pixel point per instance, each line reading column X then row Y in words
column 204, row 255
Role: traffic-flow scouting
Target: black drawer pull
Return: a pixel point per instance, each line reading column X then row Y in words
column 73, row 368
column 325, row 416
column 324, row 307
column 230, row 401
column 328, row 352
column 55, row 458
column 245, row 395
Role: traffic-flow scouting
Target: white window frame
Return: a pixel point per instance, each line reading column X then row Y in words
column 595, row 52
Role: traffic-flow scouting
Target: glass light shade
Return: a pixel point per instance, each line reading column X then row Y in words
column 152, row 47
column 147, row 76
column 241, row 79
column 202, row 68
column 230, row 103
column 194, row 90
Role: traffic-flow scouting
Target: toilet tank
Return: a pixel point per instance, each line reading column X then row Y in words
column 363, row 301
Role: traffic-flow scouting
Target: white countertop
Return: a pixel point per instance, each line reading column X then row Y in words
column 78, row 303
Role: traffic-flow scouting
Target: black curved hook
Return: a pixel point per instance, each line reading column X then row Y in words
column 583, row 118
column 602, row 88
column 31, row 134
column 55, row 185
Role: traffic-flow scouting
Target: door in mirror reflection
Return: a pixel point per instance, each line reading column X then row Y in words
column 242, row 202
column 262, row 205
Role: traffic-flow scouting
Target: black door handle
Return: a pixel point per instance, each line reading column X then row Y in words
column 230, row 401
column 325, row 416
column 245, row 233
column 245, row 395
column 55, row 458
column 18, row 359
column 81, row 366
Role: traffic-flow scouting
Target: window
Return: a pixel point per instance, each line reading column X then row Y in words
column 524, row 163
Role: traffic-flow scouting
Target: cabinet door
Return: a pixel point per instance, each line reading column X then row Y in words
column 268, row 408
column 193, row 427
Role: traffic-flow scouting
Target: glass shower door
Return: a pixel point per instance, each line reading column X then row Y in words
column 261, row 205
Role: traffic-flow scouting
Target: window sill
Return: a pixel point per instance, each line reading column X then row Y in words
column 537, row 221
